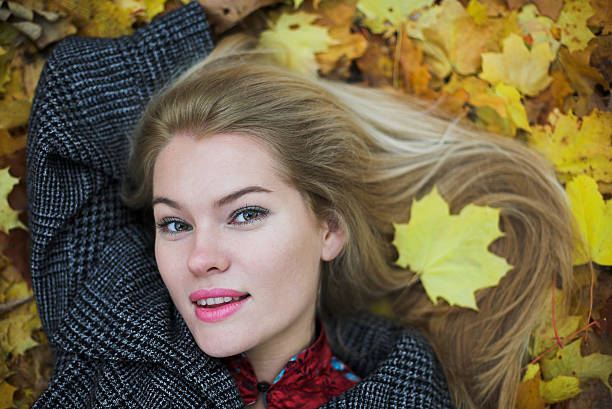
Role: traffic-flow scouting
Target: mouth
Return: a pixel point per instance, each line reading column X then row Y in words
column 216, row 302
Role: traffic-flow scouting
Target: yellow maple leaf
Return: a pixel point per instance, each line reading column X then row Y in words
column 560, row 388
column 295, row 41
column 577, row 146
column 386, row 16
column 478, row 11
column 594, row 219
column 514, row 107
column 8, row 216
column 6, row 395
column 572, row 23
column 449, row 252
column 569, row 362
column 524, row 69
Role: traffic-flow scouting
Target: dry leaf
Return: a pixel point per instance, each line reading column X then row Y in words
column 386, row 16
column 572, row 22
column 8, row 217
column 347, row 46
column 602, row 17
column 537, row 28
column 549, row 8
column 524, row 69
column 577, row 147
column 296, row 40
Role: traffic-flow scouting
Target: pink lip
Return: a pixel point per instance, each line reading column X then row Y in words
column 215, row 292
column 219, row 313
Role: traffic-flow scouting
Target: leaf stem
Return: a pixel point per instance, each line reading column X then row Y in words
column 553, row 312
column 586, row 334
column 567, row 339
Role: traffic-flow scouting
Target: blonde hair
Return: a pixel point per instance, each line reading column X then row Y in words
column 359, row 156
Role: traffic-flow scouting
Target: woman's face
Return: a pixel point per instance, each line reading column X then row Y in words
column 237, row 247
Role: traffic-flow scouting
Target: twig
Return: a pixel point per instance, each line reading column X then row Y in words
column 567, row 339
column 8, row 306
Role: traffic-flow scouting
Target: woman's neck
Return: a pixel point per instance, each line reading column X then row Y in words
column 270, row 358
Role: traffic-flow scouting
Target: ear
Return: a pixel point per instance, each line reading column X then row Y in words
column 333, row 240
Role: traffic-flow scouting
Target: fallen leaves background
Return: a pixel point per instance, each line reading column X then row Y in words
column 538, row 71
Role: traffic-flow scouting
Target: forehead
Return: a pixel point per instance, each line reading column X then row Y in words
column 218, row 162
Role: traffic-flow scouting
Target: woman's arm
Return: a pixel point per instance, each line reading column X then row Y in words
column 89, row 97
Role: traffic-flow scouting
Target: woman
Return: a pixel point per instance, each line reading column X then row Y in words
column 270, row 193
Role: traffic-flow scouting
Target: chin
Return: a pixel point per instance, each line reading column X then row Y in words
column 220, row 346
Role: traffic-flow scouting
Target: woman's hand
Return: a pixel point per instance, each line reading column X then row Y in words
column 223, row 14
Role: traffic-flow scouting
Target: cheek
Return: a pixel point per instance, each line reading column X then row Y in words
column 168, row 265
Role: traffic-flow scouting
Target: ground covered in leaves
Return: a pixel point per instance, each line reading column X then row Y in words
column 539, row 71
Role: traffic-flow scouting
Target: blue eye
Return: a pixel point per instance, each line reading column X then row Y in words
column 171, row 225
column 248, row 215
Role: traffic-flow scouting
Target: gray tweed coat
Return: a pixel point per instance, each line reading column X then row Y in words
column 117, row 340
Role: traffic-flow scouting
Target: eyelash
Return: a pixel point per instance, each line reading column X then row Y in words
column 162, row 226
column 261, row 213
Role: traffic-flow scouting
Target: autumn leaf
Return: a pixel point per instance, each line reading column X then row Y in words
column 577, row 146
column 295, row 41
column 514, row 107
column 96, row 18
column 528, row 394
column 453, row 40
column 449, row 252
column 537, row 27
column 602, row 16
column 347, row 46
column 570, row 362
column 572, row 22
column 478, row 11
column 524, row 69
column 8, row 217
column 583, row 77
column 543, row 337
column 386, row 16
column 6, row 395
column 559, row 388
column 594, row 219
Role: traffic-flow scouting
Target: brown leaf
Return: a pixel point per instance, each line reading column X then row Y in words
column 347, row 46
column 10, row 144
column 601, row 57
column 549, row 8
column 32, row 371
column 582, row 77
column 603, row 15
column 376, row 64
column 515, row 4
column 6, row 395
column 539, row 107
column 528, row 394
column 594, row 395
column 223, row 14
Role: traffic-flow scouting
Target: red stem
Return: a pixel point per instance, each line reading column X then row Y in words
column 586, row 334
column 568, row 339
column 553, row 312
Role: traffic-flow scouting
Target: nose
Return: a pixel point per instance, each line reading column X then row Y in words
column 207, row 255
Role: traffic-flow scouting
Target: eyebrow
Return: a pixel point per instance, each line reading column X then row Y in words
column 218, row 203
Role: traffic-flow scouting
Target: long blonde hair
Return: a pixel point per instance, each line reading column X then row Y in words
column 359, row 156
